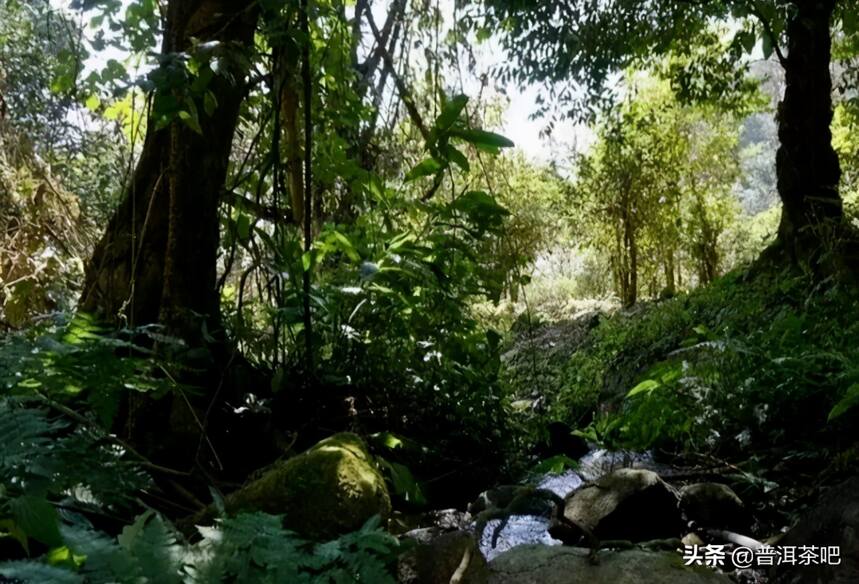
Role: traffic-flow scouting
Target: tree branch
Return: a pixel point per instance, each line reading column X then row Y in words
column 768, row 30
column 402, row 89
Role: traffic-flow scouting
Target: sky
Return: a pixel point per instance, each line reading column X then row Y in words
column 525, row 132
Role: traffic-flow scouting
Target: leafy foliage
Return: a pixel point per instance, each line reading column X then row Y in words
column 250, row 548
column 48, row 462
column 654, row 196
column 56, row 475
column 741, row 361
column 77, row 362
column 417, row 223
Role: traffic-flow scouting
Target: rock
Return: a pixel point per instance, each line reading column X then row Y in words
column 330, row 489
column 833, row 521
column 434, row 561
column 713, row 505
column 692, row 539
column 536, row 564
column 630, row 504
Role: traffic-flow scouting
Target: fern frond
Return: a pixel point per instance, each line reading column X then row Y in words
column 29, row 572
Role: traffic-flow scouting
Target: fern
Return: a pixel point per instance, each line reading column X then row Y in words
column 44, row 461
column 105, row 560
column 75, row 361
column 250, row 548
column 39, row 573
column 153, row 543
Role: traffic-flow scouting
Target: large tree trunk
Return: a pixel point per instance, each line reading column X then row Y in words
column 156, row 262
column 807, row 165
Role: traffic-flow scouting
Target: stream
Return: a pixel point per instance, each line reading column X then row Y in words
column 529, row 529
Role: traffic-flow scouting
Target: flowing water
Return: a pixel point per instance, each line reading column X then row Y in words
column 527, row 529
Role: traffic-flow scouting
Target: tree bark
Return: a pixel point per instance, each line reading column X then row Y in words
column 807, row 165
column 156, row 262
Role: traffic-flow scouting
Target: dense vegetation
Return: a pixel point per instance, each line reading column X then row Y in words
column 229, row 230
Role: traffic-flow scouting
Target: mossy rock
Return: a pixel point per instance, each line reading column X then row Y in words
column 330, row 489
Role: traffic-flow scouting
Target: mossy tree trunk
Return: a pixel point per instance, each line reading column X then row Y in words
column 156, row 262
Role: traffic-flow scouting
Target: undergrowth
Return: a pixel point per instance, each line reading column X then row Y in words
column 63, row 486
column 768, row 358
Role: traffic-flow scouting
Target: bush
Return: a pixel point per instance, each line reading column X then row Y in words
column 763, row 357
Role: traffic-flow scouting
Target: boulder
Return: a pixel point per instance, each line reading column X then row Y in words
column 714, row 505
column 629, row 504
column 330, row 489
column 435, row 559
column 537, row 564
column 833, row 521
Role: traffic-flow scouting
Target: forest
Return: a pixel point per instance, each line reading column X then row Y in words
column 429, row 291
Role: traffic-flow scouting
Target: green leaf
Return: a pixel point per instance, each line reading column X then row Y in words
column 746, row 39
column 849, row 401
column 346, row 246
column 9, row 528
column 93, row 102
column 647, row 385
column 481, row 208
column 389, row 440
column 450, row 113
column 190, row 118
column 426, row 167
column 37, row 518
column 243, row 227
column 63, row 83
column 554, row 465
column 483, row 139
column 210, row 103
column 457, row 157
column 704, row 332
column 849, row 21
column 307, row 260
column 403, row 482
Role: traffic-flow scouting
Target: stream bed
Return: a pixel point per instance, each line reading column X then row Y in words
column 530, row 529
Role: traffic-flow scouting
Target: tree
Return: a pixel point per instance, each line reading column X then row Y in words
column 156, row 262
column 586, row 41
column 709, row 206
column 656, row 190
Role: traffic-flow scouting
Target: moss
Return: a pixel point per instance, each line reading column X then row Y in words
column 331, row 489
